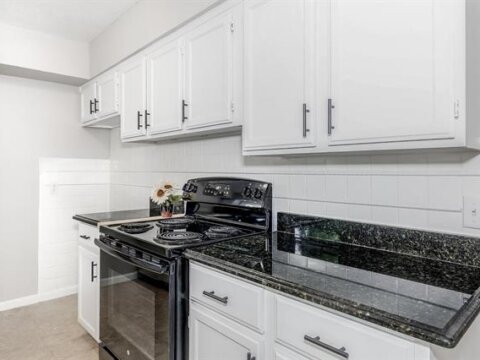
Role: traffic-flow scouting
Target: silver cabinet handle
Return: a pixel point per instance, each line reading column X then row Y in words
column 305, row 112
column 316, row 341
column 92, row 271
column 211, row 294
column 139, row 124
column 85, row 237
column 330, row 108
column 250, row 357
column 184, row 116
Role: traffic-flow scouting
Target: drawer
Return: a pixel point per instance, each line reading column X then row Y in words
column 224, row 294
column 86, row 235
column 318, row 333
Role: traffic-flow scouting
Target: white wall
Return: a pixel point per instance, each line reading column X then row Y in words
column 36, row 50
column 67, row 187
column 38, row 119
column 137, row 27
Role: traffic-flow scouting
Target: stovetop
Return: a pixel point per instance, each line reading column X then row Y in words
column 169, row 237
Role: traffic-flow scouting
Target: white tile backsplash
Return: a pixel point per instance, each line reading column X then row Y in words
column 68, row 187
column 420, row 190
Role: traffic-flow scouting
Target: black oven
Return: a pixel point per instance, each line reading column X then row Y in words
column 141, row 304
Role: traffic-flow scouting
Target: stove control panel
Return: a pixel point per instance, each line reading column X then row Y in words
column 218, row 189
column 229, row 191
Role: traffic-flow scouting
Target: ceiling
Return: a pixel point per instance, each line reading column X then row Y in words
column 81, row 20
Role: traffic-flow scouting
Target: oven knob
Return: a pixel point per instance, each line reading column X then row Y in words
column 247, row 192
column 258, row 194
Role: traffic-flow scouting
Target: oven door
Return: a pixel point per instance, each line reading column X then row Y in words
column 137, row 305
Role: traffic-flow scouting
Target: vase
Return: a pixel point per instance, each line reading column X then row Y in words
column 167, row 210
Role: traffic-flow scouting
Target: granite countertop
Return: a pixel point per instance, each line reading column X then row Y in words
column 112, row 217
column 376, row 273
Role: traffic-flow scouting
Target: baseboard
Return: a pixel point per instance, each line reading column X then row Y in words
column 33, row 299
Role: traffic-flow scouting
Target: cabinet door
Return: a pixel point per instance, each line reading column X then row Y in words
column 107, row 95
column 209, row 73
column 88, row 291
column 392, row 70
column 133, row 97
column 165, row 88
column 213, row 338
column 87, row 97
column 278, row 60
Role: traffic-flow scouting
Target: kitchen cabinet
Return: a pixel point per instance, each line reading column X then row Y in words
column 133, row 99
column 377, row 84
column 99, row 101
column 164, row 88
column 186, row 83
column 279, row 85
column 215, row 338
column 88, row 94
column 391, row 82
column 290, row 329
column 88, row 280
column 208, row 72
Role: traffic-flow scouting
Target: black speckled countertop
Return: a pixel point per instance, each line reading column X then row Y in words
column 422, row 284
column 115, row 216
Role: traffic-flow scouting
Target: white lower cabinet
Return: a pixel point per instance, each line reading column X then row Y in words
column 88, row 281
column 213, row 337
column 293, row 329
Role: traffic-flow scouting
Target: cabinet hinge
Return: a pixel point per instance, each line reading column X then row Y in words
column 232, row 107
column 232, row 27
column 456, row 109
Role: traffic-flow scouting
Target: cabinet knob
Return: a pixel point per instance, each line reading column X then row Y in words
column 250, row 357
column 146, row 119
column 91, row 107
column 85, row 237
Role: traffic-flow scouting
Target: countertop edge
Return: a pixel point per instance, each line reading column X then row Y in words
column 368, row 314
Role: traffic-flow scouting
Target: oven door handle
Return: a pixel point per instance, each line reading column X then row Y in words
column 159, row 269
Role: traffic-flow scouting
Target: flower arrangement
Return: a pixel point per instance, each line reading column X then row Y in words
column 166, row 195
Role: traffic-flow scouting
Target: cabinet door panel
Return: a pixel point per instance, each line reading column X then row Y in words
column 88, row 291
column 211, row 338
column 278, row 73
column 107, row 95
column 164, row 88
column 209, row 73
column 133, row 97
column 87, row 95
column 392, row 71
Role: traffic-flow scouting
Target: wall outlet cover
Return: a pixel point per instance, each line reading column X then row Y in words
column 471, row 212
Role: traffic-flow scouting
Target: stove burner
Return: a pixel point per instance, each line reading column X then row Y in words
column 178, row 237
column 175, row 223
column 135, row 228
column 216, row 232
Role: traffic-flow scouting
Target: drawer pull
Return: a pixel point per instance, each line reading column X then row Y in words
column 211, row 294
column 85, row 237
column 316, row 341
column 250, row 357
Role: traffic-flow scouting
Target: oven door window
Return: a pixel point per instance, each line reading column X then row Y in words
column 136, row 310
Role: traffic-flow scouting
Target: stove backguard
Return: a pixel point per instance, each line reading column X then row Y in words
column 242, row 202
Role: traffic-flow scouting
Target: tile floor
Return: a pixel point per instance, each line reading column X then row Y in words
column 45, row 331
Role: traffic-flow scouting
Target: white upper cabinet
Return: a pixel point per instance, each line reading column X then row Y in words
column 392, row 71
column 209, row 72
column 88, row 94
column 107, row 95
column 99, row 101
column 279, row 76
column 164, row 88
column 133, row 97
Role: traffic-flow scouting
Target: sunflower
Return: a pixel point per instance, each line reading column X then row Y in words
column 159, row 194
column 168, row 185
